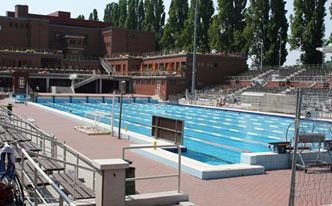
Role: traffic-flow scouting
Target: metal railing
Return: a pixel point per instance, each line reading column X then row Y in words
column 178, row 175
column 51, row 148
column 37, row 170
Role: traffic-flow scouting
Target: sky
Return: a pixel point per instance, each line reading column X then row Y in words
column 85, row 7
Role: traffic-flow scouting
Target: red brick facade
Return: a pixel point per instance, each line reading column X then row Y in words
column 22, row 30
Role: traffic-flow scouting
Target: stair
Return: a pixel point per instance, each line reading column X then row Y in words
column 263, row 74
column 260, row 78
column 295, row 74
column 85, row 81
column 105, row 66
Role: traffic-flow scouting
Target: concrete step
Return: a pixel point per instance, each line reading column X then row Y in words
column 159, row 198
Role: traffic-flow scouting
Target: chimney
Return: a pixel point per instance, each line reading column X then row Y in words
column 21, row 11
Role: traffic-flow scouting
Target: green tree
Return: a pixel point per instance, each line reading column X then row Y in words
column 158, row 20
column 187, row 34
column 206, row 11
column 140, row 15
column 131, row 20
column 228, row 26
column 308, row 28
column 256, row 30
column 149, row 15
column 278, row 27
column 112, row 14
column 94, row 15
column 331, row 19
column 177, row 15
column 215, row 39
column 154, row 19
column 122, row 13
column 81, row 16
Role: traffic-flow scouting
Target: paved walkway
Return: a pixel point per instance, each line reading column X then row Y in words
column 270, row 189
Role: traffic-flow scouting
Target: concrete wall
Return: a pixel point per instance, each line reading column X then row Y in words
column 267, row 102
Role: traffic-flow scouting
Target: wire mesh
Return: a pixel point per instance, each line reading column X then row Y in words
column 313, row 172
column 314, row 187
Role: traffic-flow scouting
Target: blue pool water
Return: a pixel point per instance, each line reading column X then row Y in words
column 212, row 136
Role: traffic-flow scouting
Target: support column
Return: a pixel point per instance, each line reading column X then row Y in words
column 96, row 86
column 47, row 84
column 100, row 86
column 110, row 182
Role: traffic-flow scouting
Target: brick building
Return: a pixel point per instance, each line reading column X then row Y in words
column 55, row 40
column 47, row 48
column 163, row 75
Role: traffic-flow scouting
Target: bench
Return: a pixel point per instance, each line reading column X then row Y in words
column 18, row 135
column 29, row 171
column 30, row 146
column 69, row 183
column 49, row 165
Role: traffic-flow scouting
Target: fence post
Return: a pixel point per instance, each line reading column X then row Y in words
column 291, row 201
column 110, row 181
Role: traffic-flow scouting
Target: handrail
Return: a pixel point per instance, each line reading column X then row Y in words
column 49, row 180
column 157, row 176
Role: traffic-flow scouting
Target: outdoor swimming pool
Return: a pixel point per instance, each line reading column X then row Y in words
column 212, row 136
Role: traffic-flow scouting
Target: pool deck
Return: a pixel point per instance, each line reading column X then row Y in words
column 271, row 188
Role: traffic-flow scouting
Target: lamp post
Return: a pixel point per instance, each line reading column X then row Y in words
column 193, row 79
column 260, row 43
column 279, row 34
column 122, row 90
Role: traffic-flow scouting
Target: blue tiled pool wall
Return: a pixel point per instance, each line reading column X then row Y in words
column 212, row 136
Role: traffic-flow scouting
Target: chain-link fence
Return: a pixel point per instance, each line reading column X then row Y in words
column 311, row 149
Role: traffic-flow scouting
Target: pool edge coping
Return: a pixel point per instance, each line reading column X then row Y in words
column 193, row 167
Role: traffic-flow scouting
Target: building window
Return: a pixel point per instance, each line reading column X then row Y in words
column 0, row 28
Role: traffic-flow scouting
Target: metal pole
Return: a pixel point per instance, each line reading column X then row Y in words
column 122, row 84
column 296, row 136
column 113, row 103
column 261, row 43
column 179, row 168
column 193, row 79
column 279, row 50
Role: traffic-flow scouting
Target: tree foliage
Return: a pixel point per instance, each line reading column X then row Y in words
column 266, row 31
column 94, row 15
column 111, row 14
column 308, row 28
column 81, row 16
column 331, row 19
column 227, row 30
column 131, row 20
column 154, row 19
column 257, row 28
column 204, row 19
column 122, row 13
column 278, row 27
column 177, row 15
column 140, row 15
